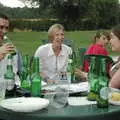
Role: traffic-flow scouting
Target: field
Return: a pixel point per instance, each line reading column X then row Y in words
column 28, row 42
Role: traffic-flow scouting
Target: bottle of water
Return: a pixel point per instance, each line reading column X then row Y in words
column 36, row 79
column 25, row 73
column 102, row 92
column 9, row 74
column 92, row 79
column 69, row 69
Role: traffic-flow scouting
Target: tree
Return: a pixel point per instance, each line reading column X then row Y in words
column 104, row 13
column 67, row 11
column 73, row 14
column 98, row 13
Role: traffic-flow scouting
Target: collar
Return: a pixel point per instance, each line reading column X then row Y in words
column 51, row 52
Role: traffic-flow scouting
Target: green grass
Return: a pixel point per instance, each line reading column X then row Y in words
column 28, row 42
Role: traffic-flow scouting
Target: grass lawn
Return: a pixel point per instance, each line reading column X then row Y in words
column 28, row 42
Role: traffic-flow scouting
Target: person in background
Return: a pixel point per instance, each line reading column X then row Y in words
column 101, row 39
column 115, row 45
column 54, row 55
column 6, row 48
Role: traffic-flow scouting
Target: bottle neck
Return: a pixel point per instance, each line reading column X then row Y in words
column 92, row 65
column 9, row 59
column 25, row 61
column 36, row 65
column 103, row 67
column 6, row 39
column 69, row 65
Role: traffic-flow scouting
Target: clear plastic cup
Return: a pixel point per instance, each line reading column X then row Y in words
column 58, row 92
column 60, row 98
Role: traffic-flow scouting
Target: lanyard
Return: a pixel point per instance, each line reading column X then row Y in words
column 56, row 66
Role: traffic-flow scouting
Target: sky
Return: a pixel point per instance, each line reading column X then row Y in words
column 12, row 3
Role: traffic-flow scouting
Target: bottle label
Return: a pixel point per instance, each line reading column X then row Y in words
column 104, row 93
column 10, row 84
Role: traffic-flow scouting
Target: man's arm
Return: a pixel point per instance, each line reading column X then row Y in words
column 115, row 80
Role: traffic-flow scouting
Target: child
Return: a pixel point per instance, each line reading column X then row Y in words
column 101, row 38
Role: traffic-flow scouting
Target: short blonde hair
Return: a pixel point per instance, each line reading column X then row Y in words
column 54, row 27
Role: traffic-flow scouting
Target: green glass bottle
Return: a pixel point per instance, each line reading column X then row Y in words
column 25, row 73
column 7, row 40
column 102, row 92
column 9, row 74
column 92, row 79
column 36, row 79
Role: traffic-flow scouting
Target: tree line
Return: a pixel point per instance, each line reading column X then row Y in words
column 73, row 14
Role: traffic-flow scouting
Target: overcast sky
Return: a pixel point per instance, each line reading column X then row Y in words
column 12, row 3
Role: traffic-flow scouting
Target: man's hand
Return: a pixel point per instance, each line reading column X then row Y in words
column 6, row 49
column 1, row 56
column 80, row 74
column 51, row 81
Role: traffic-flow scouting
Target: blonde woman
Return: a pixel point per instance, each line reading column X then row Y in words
column 54, row 55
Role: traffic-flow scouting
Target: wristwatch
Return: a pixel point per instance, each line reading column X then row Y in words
column 46, row 79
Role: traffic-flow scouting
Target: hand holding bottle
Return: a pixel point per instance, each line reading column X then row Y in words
column 1, row 56
column 7, row 48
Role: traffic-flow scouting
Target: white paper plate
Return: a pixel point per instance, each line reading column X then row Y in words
column 77, row 101
column 114, row 102
column 24, row 104
column 114, row 90
column 73, row 88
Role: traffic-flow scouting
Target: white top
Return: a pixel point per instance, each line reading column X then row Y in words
column 3, row 68
column 50, row 64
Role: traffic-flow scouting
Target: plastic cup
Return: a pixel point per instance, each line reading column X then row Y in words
column 58, row 93
column 60, row 98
